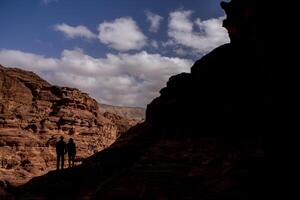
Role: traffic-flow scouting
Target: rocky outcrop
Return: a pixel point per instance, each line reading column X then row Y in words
column 34, row 113
column 31, row 103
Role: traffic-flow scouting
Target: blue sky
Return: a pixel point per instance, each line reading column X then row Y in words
column 119, row 51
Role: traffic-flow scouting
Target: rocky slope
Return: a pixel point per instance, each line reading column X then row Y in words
column 134, row 113
column 146, row 164
column 34, row 113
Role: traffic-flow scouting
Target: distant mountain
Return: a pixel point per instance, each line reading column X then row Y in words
column 127, row 112
column 34, row 114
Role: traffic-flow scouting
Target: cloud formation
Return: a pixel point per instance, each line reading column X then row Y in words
column 201, row 35
column 29, row 61
column 46, row 2
column 122, row 34
column 155, row 21
column 120, row 79
column 128, row 79
column 75, row 31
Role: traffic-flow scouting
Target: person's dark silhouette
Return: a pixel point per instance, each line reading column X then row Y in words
column 71, row 148
column 60, row 152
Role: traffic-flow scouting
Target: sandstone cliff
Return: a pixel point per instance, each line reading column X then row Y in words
column 34, row 113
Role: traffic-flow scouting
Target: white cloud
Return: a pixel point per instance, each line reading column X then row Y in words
column 202, row 35
column 155, row 21
column 154, row 44
column 46, row 2
column 120, row 79
column 75, row 31
column 122, row 34
column 181, row 52
column 29, row 61
column 168, row 43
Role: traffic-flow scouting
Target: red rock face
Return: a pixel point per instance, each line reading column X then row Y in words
column 34, row 113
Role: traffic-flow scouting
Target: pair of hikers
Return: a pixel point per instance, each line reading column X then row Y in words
column 62, row 148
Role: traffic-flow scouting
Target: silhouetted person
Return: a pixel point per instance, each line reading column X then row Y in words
column 71, row 148
column 60, row 152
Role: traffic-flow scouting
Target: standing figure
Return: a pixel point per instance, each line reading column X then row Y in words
column 61, row 149
column 71, row 148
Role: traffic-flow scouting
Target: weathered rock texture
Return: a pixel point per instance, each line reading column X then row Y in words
column 34, row 113
column 134, row 113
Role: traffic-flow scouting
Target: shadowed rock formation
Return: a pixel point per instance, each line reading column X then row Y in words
column 226, row 89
